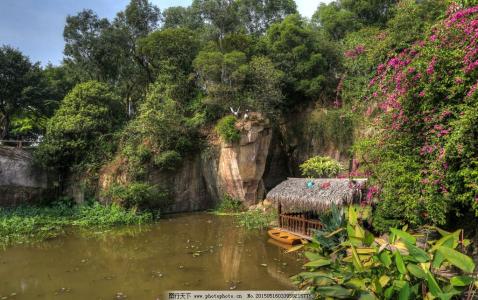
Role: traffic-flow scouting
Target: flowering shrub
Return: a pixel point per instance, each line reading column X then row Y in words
column 423, row 153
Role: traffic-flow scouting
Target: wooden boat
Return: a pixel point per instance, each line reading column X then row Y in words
column 279, row 244
column 284, row 237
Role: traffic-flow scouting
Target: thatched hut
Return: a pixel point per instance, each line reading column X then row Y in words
column 301, row 201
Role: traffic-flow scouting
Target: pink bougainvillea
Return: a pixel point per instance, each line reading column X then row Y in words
column 416, row 98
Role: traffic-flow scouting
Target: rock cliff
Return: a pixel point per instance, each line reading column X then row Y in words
column 242, row 164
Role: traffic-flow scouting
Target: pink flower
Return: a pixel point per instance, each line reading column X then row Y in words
column 431, row 66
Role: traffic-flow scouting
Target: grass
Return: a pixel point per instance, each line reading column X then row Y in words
column 35, row 223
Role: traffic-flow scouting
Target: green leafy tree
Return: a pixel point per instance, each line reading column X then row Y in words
column 307, row 58
column 257, row 15
column 264, row 83
column 82, row 128
column 222, row 77
column 182, row 17
column 159, row 135
column 22, row 89
column 223, row 16
column 175, row 47
column 335, row 20
column 85, row 47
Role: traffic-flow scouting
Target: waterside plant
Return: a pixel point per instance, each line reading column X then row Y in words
column 398, row 265
column 27, row 224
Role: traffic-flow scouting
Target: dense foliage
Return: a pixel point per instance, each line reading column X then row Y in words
column 394, row 266
column 82, row 128
column 423, row 151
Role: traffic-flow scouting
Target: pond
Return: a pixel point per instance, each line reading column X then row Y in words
column 186, row 252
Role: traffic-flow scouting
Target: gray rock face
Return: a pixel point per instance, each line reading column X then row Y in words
column 20, row 180
column 188, row 186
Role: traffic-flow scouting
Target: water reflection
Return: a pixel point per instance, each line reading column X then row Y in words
column 191, row 252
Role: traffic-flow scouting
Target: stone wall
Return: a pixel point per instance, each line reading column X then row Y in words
column 20, row 180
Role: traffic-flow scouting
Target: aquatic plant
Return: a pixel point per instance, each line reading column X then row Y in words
column 34, row 223
column 256, row 219
column 229, row 204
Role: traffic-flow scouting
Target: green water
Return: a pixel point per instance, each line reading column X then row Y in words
column 188, row 252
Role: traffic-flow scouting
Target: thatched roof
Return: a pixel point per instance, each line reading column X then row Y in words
column 294, row 194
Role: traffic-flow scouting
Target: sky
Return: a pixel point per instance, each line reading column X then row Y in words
column 35, row 27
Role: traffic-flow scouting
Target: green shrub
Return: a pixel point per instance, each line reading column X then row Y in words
column 168, row 160
column 226, row 128
column 138, row 194
column 394, row 266
column 81, row 131
column 256, row 219
column 320, row 167
column 229, row 204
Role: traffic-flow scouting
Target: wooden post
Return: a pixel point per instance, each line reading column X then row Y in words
column 279, row 209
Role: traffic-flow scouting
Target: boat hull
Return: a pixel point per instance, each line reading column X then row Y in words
column 284, row 237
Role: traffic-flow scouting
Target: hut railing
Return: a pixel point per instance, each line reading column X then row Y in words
column 299, row 224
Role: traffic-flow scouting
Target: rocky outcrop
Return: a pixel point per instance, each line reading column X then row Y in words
column 242, row 164
column 187, row 185
column 261, row 159
column 20, row 180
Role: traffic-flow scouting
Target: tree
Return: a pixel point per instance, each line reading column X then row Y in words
column 20, row 89
column 181, row 17
column 370, row 12
column 335, row 20
column 257, row 15
column 159, row 135
column 307, row 58
column 264, row 86
column 141, row 17
column 81, row 129
column 422, row 150
column 221, row 14
column 222, row 77
column 170, row 47
column 85, row 47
